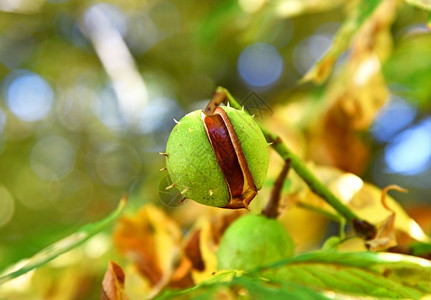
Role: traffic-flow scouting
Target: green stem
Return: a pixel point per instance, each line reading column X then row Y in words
column 313, row 183
column 296, row 163
column 64, row 245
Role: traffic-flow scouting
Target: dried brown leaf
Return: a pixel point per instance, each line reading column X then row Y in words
column 192, row 251
column 182, row 277
column 113, row 283
column 198, row 261
column 385, row 237
column 221, row 223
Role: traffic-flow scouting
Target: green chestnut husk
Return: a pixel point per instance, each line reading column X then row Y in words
column 253, row 241
column 218, row 160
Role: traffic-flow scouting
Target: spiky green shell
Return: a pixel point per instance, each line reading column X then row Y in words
column 253, row 144
column 193, row 166
column 253, row 241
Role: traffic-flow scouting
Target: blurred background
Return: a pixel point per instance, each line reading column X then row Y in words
column 89, row 91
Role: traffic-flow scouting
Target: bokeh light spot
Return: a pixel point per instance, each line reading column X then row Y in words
column 410, row 152
column 260, row 65
column 63, row 193
column 28, row 95
column 251, row 6
column 311, row 50
column 105, row 26
column 366, row 70
column 347, row 186
column 74, row 109
column 142, row 32
column 106, row 108
column 158, row 114
column 30, row 189
column 7, row 206
column 395, row 115
column 97, row 245
column 103, row 16
column 52, row 158
column 116, row 164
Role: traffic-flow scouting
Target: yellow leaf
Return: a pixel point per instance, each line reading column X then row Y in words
column 208, row 251
column 366, row 22
column 361, row 197
column 366, row 203
column 151, row 240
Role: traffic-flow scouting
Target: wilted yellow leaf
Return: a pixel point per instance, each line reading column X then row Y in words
column 152, row 241
column 354, row 94
column 361, row 197
column 366, row 204
column 198, row 261
column 210, row 232
column 365, row 15
column 208, row 251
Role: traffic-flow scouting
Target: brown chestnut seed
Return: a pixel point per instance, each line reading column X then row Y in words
column 219, row 159
column 230, row 157
column 223, row 149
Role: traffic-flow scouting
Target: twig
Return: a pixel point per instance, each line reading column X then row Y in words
column 272, row 208
column 386, row 190
column 362, row 226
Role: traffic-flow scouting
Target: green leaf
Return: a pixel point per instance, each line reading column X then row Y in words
column 214, row 25
column 420, row 248
column 410, row 66
column 386, row 275
column 424, row 4
column 365, row 273
column 321, row 70
column 247, row 285
column 72, row 241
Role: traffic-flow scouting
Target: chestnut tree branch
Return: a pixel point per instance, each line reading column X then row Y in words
column 272, row 208
column 300, row 168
